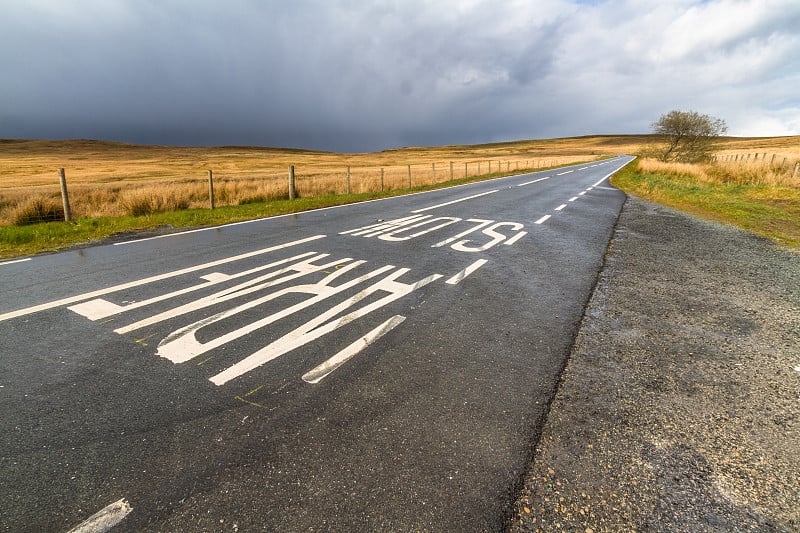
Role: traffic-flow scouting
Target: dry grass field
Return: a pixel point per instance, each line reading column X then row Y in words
column 115, row 179
column 112, row 179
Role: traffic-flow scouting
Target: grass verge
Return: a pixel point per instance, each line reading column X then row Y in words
column 772, row 211
column 17, row 241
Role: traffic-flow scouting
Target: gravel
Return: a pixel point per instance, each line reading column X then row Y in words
column 679, row 407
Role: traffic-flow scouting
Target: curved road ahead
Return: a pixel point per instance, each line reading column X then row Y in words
column 378, row 366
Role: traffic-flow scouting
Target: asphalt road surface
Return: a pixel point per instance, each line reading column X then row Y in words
column 379, row 366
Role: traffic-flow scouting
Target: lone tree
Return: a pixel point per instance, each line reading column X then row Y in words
column 688, row 136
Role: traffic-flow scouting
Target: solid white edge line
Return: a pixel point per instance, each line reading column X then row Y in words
column 151, row 279
column 542, row 220
column 466, row 272
column 454, row 201
column 320, row 372
column 15, row 261
column 105, row 519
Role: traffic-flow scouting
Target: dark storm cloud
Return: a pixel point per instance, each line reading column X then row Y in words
column 355, row 75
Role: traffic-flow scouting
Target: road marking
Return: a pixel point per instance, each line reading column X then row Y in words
column 534, row 181
column 325, row 323
column 562, row 206
column 581, row 193
column 583, row 168
column 320, row 372
column 466, row 272
column 151, row 279
column 454, row 201
column 515, row 238
column 542, row 220
column 573, row 198
column 105, row 519
column 15, row 261
column 562, row 173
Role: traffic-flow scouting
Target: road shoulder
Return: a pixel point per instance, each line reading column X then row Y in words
column 679, row 408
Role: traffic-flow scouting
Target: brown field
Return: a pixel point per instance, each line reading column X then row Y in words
column 110, row 179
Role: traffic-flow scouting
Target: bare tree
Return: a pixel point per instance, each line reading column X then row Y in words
column 688, row 136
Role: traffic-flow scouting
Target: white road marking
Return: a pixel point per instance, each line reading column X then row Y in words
column 515, row 238
column 454, row 201
column 324, row 324
column 481, row 224
column 497, row 238
column 562, row 173
column 15, row 261
column 573, row 198
column 392, row 235
column 320, row 372
column 542, row 220
column 466, row 272
column 581, row 193
column 562, row 206
column 151, row 279
column 534, row 181
column 105, row 519
column 380, row 227
column 99, row 308
column 583, row 168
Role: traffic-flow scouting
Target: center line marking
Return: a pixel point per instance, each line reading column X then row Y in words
column 562, row 173
column 466, row 272
column 573, row 198
column 534, row 181
column 454, row 201
column 542, row 220
column 562, row 206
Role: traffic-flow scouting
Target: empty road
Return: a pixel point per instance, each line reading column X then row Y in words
column 378, row 366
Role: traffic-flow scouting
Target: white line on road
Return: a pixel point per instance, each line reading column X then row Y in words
column 542, row 220
column 534, row 181
column 515, row 238
column 320, row 372
column 573, row 198
column 151, row 279
column 454, row 201
column 105, row 519
column 562, row 206
column 466, row 272
column 15, row 261
column 562, row 173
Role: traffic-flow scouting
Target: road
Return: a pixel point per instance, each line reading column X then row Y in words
column 379, row 366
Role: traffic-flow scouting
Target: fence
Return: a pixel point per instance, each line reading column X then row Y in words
column 220, row 188
column 775, row 160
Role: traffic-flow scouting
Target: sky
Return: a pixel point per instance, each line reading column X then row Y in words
column 367, row 75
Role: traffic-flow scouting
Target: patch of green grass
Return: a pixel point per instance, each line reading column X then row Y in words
column 16, row 241
column 768, row 210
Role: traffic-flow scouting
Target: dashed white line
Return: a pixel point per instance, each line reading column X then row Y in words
column 454, row 201
column 466, row 272
column 542, row 220
column 15, row 261
column 581, row 193
column 562, row 173
column 573, row 198
column 562, row 206
column 534, row 181
column 105, row 519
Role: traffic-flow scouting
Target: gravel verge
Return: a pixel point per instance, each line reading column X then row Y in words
column 679, row 407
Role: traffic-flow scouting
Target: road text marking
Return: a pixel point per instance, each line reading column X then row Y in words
column 466, row 272
column 454, row 201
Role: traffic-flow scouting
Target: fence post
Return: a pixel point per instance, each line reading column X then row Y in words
column 783, row 164
column 381, row 179
column 211, row 189
column 65, row 195
column 433, row 170
column 409, row 176
column 796, row 166
column 292, row 192
column 348, row 179
column 465, row 169
column 508, row 166
column 490, row 166
column 451, row 171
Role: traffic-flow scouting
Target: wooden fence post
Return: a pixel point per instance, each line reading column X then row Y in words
column 292, row 192
column 433, row 170
column 465, row 170
column 65, row 195
column 211, row 189
column 451, row 171
column 771, row 161
column 348, row 179
column 409, row 176
column 796, row 166
column 381, row 179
